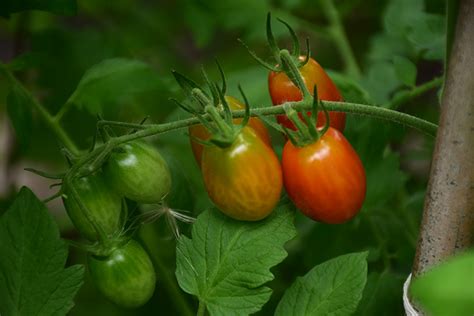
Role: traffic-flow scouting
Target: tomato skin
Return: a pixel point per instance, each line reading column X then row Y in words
column 283, row 90
column 326, row 179
column 201, row 132
column 126, row 276
column 103, row 203
column 138, row 172
column 244, row 180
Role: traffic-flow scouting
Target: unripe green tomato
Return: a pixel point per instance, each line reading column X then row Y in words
column 126, row 276
column 137, row 171
column 103, row 207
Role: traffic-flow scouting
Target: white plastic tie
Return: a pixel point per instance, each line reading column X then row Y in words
column 409, row 309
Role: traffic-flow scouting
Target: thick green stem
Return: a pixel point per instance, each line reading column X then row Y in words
column 415, row 92
column 354, row 108
column 292, row 71
column 201, row 309
column 63, row 110
column 340, row 39
column 45, row 115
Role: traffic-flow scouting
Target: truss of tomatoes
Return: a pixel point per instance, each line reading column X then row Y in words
column 122, row 270
column 242, row 174
column 325, row 179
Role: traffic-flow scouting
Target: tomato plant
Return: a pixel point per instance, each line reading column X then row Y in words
column 137, row 171
column 126, row 276
column 282, row 90
column 325, row 179
column 244, row 180
column 86, row 117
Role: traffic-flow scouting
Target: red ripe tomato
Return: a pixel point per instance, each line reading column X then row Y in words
column 201, row 132
column 326, row 179
column 283, row 90
column 243, row 180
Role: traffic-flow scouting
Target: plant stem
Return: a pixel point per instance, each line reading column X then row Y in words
column 201, row 309
column 354, row 108
column 339, row 37
column 45, row 115
column 415, row 92
column 63, row 110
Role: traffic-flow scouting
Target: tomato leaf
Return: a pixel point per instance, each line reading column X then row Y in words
column 448, row 288
column 66, row 7
column 349, row 88
column 331, row 288
column 227, row 262
column 111, row 80
column 382, row 293
column 33, row 280
column 18, row 108
column 405, row 70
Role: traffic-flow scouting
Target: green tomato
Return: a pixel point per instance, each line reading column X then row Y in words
column 103, row 207
column 126, row 276
column 137, row 171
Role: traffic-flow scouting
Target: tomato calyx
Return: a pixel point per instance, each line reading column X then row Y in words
column 213, row 112
column 306, row 130
column 277, row 52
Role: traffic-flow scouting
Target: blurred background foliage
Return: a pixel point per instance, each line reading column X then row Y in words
column 398, row 44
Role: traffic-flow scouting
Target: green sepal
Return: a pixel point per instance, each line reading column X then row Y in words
column 53, row 197
column 223, row 79
column 225, row 106
column 140, row 124
column 326, row 125
column 290, row 67
column 186, row 107
column 271, row 39
column 307, row 55
column 185, row 83
column 222, row 142
column 258, row 59
column 272, row 124
column 212, row 87
column 294, row 38
column 46, row 174
column 247, row 108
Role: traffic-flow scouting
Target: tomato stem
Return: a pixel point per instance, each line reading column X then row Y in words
column 201, row 309
column 291, row 69
column 339, row 37
column 50, row 120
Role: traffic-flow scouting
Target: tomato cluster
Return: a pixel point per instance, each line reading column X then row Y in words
column 94, row 203
column 324, row 178
column 243, row 176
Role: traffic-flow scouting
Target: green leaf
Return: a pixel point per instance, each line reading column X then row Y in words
column 111, row 80
column 401, row 15
column 382, row 293
column 65, row 7
column 447, row 289
column 19, row 111
column 33, row 280
column 381, row 80
column 429, row 35
column 350, row 89
column 405, row 70
column 379, row 192
column 227, row 262
column 331, row 288
column 26, row 60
